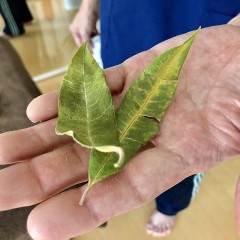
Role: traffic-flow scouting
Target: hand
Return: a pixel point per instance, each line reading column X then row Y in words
column 83, row 26
column 200, row 128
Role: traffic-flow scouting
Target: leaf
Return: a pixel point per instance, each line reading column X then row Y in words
column 86, row 110
column 143, row 107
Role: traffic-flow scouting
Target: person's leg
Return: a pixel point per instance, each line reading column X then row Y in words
column 25, row 14
column 168, row 204
column 10, row 13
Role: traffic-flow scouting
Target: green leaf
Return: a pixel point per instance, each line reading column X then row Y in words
column 86, row 110
column 143, row 107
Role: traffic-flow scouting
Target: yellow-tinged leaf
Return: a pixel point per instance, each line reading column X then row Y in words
column 143, row 107
column 86, row 110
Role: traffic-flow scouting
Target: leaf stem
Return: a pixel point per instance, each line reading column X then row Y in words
column 84, row 195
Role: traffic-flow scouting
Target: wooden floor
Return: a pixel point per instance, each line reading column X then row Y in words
column 48, row 45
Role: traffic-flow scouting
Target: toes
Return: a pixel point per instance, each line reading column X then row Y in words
column 166, row 230
column 160, row 225
column 158, row 231
column 150, row 228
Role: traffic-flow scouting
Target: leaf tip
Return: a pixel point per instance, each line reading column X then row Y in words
column 194, row 35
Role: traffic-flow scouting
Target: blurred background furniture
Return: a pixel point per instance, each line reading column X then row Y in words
column 16, row 90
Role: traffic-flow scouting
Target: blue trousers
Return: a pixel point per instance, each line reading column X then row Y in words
column 176, row 198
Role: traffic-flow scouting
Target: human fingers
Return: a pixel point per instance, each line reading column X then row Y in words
column 76, row 34
column 77, row 38
column 80, row 33
column 17, row 146
column 44, row 107
column 61, row 217
column 94, row 32
column 32, row 181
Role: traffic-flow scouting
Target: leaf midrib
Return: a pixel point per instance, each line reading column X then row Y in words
column 154, row 89
column 86, row 101
column 124, row 132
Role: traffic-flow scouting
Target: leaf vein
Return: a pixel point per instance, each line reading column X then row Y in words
column 101, row 114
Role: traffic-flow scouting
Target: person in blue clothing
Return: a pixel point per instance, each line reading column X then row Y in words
column 129, row 27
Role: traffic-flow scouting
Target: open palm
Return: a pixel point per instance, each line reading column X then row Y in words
column 200, row 128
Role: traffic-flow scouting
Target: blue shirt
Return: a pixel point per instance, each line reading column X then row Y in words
column 132, row 26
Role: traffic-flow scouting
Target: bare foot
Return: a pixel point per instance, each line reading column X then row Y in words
column 159, row 225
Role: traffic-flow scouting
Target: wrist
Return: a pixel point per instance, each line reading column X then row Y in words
column 90, row 6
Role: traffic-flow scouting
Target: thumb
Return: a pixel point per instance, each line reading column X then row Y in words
column 77, row 38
